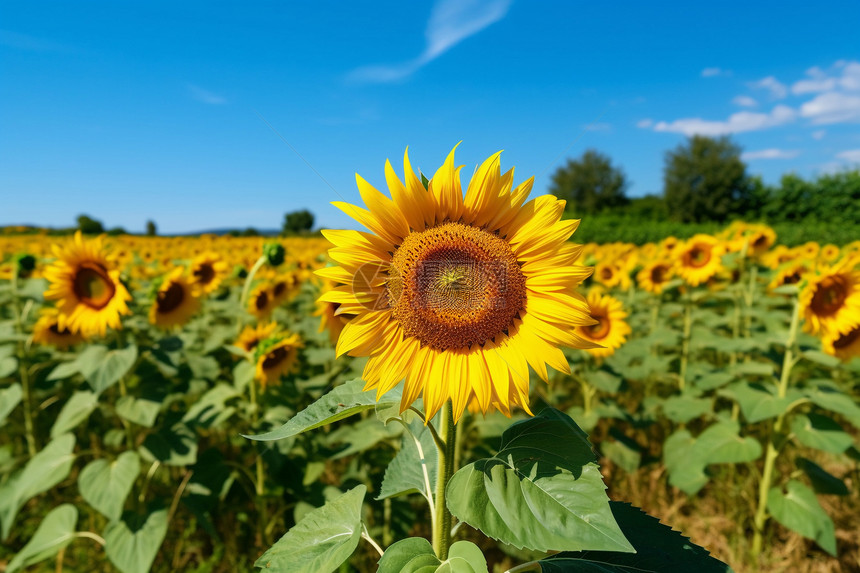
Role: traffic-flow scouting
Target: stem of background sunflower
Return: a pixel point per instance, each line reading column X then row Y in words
column 260, row 481
column 685, row 343
column 30, row 435
column 442, row 524
column 775, row 438
column 736, row 328
column 250, row 279
column 749, row 298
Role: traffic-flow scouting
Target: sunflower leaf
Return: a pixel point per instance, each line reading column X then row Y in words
column 798, row 509
column 346, row 400
column 536, row 494
column 55, row 532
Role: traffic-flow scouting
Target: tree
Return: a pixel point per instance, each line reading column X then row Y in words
column 89, row 226
column 705, row 180
column 151, row 229
column 298, row 222
column 590, row 184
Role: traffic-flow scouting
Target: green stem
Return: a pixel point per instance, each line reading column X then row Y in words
column 775, row 438
column 30, row 434
column 442, row 524
column 260, row 481
column 685, row 343
column 250, row 279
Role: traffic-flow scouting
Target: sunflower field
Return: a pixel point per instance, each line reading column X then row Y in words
column 379, row 400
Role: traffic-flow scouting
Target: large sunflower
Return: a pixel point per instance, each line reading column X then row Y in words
column 458, row 295
column 610, row 330
column 86, row 285
column 276, row 356
column 830, row 300
column 175, row 301
column 698, row 259
column 207, row 271
column 47, row 331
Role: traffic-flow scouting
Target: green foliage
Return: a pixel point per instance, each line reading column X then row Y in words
column 297, row 222
column 416, row 555
column 151, row 229
column 105, row 484
column 55, row 532
column 132, row 542
column 590, row 184
column 705, row 180
column 89, row 226
column 799, row 510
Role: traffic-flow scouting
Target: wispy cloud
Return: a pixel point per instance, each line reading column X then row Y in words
column 832, row 107
column 205, row 96
column 771, row 153
column 818, row 134
column 451, row 22
column 745, row 101
column 714, row 72
column 843, row 75
column 850, row 155
column 776, row 88
column 736, row 123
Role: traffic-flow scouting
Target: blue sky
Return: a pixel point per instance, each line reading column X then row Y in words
column 135, row 110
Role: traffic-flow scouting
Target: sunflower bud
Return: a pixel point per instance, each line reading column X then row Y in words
column 274, row 253
column 26, row 264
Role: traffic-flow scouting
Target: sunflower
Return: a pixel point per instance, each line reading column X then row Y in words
column 458, row 295
column 698, row 259
column 86, row 285
column 207, row 272
column 285, row 287
column 843, row 346
column 610, row 330
column 175, row 301
column 608, row 274
column 654, row 276
column 828, row 253
column 789, row 274
column 47, row 331
column 760, row 238
column 251, row 336
column 261, row 303
column 276, row 356
column 830, row 300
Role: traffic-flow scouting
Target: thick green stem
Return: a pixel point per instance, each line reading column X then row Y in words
column 775, row 437
column 30, row 434
column 250, row 279
column 442, row 524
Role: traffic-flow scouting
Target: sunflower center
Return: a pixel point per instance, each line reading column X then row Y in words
column 698, row 256
column 846, row 340
column 204, row 274
column 455, row 285
column 829, row 296
column 93, row 286
column 606, row 273
column 600, row 330
column 171, row 298
column 262, row 301
column 55, row 329
column 275, row 357
column 658, row 274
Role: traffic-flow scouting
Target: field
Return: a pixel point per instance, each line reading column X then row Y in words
column 178, row 404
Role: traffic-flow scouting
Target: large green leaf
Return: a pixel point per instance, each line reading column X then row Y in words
column 44, row 470
column 543, row 490
column 758, row 401
column 346, row 400
column 55, row 532
column 821, row 433
column 405, row 473
column 822, row 480
column 9, row 398
column 138, row 410
column 659, row 548
column 682, row 409
column 133, row 542
column 85, row 363
column 322, row 540
column 174, row 445
column 798, row 509
column 685, row 472
column 114, row 365
column 416, row 555
column 360, row 436
column 105, row 485
column 836, row 401
column 75, row 411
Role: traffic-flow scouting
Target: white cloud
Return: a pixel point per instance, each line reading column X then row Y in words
column 736, row 123
column 644, row 123
column 832, row 107
column 847, row 78
column 771, row 153
column 205, row 96
column 745, row 101
column 819, row 134
column 712, row 72
column 850, row 155
column 451, row 22
column 776, row 88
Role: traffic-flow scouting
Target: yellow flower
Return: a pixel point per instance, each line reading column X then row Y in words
column 830, row 300
column 608, row 274
column 654, row 276
column 47, row 331
column 175, row 301
column 86, row 285
column 276, row 357
column 458, row 295
column 844, row 346
column 285, row 287
column 610, row 329
column 789, row 274
column 207, row 272
column 251, row 336
column 262, row 302
column 698, row 259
